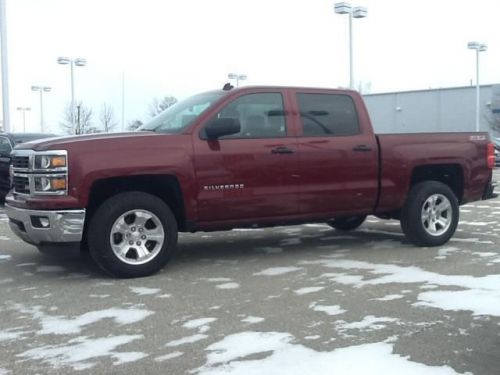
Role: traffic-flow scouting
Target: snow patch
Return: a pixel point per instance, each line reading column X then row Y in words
column 168, row 356
column 329, row 310
column 252, row 319
column 80, row 352
column 62, row 325
column 144, row 291
column 228, row 286
column 186, row 340
column 309, row 289
column 291, row 241
column 445, row 251
column 196, row 323
column 389, row 297
column 480, row 302
column 4, row 257
column 485, row 254
column 274, row 271
column 368, row 323
column 288, row 358
column 11, row 334
column 481, row 295
column 26, row 264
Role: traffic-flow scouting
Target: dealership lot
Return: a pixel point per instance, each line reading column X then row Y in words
column 301, row 299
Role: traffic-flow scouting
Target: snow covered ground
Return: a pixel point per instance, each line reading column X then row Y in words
column 290, row 300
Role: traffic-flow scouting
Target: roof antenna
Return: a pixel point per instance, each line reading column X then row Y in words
column 227, row 87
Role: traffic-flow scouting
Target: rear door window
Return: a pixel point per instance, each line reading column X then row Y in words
column 327, row 115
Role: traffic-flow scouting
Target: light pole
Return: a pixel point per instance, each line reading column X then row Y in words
column 237, row 77
column 5, row 69
column 24, row 109
column 479, row 47
column 353, row 12
column 78, row 61
column 41, row 89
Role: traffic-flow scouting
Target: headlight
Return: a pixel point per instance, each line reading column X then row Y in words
column 50, row 161
column 50, row 184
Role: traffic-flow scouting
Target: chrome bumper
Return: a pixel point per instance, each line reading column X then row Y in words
column 37, row 227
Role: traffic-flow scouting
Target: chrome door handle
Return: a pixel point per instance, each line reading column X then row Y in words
column 282, row 150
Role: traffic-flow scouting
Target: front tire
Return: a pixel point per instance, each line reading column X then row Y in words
column 430, row 214
column 132, row 234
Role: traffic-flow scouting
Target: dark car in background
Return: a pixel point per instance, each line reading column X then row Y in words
column 496, row 141
column 7, row 143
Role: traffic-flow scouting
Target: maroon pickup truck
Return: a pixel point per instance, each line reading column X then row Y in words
column 246, row 157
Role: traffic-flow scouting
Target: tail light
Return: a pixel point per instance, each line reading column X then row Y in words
column 490, row 155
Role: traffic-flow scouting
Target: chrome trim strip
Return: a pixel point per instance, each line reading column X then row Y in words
column 31, row 155
column 32, row 172
column 64, row 225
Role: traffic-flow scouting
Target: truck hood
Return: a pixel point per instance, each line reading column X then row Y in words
column 63, row 143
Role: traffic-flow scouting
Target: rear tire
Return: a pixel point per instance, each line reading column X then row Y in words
column 430, row 214
column 132, row 234
column 347, row 223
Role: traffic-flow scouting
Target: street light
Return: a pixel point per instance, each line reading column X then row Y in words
column 237, row 77
column 24, row 109
column 479, row 47
column 353, row 12
column 78, row 61
column 41, row 89
column 5, row 70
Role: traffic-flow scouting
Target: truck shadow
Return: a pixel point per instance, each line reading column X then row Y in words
column 229, row 246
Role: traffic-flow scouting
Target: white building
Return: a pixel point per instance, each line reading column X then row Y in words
column 434, row 110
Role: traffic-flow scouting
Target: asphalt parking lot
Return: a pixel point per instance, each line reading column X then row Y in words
column 289, row 300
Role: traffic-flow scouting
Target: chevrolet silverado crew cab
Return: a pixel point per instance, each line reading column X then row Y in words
column 245, row 157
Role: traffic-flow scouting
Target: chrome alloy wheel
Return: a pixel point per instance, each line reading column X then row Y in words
column 437, row 214
column 137, row 236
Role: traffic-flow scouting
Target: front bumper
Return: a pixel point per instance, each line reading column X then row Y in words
column 41, row 226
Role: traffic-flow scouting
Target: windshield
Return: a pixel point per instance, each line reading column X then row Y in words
column 182, row 114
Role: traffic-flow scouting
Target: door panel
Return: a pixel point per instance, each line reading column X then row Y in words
column 252, row 174
column 338, row 163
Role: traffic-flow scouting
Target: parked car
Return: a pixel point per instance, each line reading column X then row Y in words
column 497, row 151
column 245, row 157
column 7, row 143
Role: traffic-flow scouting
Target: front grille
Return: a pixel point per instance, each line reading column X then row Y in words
column 21, row 185
column 21, row 162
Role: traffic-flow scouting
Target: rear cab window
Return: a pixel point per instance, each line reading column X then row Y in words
column 327, row 115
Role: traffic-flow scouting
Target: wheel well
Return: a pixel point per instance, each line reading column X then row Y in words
column 449, row 174
column 165, row 187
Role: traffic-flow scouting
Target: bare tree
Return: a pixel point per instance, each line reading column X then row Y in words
column 160, row 104
column 107, row 118
column 134, row 125
column 493, row 119
column 81, row 116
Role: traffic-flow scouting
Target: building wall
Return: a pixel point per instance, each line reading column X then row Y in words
column 435, row 110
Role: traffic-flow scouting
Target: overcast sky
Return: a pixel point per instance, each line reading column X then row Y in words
column 181, row 47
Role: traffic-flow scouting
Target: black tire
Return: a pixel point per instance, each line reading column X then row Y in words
column 412, row 224
column 347, row 223
column 99, row 232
